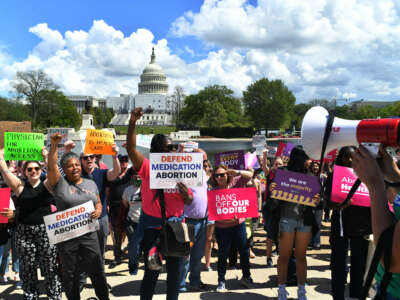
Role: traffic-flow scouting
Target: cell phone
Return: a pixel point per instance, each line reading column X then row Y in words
column 373, row 148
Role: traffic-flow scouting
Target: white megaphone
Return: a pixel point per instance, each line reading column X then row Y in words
column 344, row 132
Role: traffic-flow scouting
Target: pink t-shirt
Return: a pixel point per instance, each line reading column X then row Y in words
column 151, row 205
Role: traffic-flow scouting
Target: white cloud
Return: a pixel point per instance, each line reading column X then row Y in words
column 319, row 48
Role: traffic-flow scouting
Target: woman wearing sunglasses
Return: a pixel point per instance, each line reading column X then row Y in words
column 227, row 230
column 33, row 201
column 150, row 220
column 81, row 253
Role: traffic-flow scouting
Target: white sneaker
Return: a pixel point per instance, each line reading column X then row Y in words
column 282, row 293
column 301, row 293
column 19, row 285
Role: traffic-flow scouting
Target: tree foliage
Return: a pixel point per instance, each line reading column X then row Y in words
column 13, row 110
column 101, row 118
column 31, row 85
column 56, row 110
column 214, row 106
column 269, row 103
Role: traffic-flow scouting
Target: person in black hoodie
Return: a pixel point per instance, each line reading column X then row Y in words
column 350, row 226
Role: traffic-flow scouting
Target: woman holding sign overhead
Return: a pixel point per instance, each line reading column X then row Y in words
column 70, row 191
column 33, row 201
column 227, row 230
column 151, row 220
column 295, row 226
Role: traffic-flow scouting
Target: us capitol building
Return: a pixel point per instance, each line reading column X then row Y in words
column 152, row 96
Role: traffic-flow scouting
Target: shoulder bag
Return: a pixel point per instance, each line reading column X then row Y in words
column 176, row 237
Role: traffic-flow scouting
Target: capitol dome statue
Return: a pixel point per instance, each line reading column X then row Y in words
column 152, row 96
column 153, row 79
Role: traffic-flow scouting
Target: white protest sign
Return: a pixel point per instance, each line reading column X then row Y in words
column 82, row 136
column 143, row 140
column 63, row 131
column 167, row 169
column 259, row 142
column 70, row 223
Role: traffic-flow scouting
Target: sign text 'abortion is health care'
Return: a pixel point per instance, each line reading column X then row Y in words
column 343, row 180
column 237, row 203
column 295, row 187
column 167, row 169
column 99, row 142
column 70, row 223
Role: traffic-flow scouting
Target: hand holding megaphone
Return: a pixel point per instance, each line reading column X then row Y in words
column 345, row 132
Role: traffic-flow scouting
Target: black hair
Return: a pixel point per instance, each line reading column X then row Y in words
column 158, row 143
column 297, row 160
column 344, row 154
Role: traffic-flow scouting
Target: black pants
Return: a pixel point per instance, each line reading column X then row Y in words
column 114, row 212
column 83, row 254
column 174, row 267
column 358, row 259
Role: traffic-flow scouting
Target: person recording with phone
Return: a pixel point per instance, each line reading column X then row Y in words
column 374, row 175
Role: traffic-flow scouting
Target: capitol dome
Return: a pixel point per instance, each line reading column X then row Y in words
column 153, row 79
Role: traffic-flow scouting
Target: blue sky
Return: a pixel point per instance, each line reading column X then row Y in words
column 320, row 48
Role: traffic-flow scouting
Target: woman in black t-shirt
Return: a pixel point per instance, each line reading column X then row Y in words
column 33, row 201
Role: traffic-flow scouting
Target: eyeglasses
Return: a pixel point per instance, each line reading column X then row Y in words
column 123, row 160
column 219, row 175
column 34, row 168
column 88, row 156
column 172, row 147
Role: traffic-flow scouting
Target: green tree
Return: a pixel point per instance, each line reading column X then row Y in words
column 13, row 110
column 101, row 117
column 299, row 111
column 56, row 110
column 30, row 85
column 214, row 106
column 269, row 103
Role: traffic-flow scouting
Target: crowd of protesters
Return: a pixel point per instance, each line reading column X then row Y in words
column 126, row 206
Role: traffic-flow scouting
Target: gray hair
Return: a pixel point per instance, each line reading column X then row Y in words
column 66, row 157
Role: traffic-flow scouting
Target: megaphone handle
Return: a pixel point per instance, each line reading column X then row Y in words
column 327, row 133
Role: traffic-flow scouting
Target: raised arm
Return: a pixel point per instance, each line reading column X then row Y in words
column 12, row 181
column 246, row 174
column 264, row 163
column 53, row 174
column 369, row 172
column 135, row 156
column 116, row 169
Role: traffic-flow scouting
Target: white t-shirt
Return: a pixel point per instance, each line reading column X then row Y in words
column 133, row 196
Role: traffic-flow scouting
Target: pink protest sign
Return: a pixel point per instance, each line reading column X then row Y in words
column 250, row 160
column 343, row 179
column 281, row 147
column 237, row 203
column 5, row 194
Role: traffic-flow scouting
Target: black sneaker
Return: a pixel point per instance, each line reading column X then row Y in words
column 114, row 263
column 202, row 287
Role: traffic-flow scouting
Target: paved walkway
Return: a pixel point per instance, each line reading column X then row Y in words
column 126, row 286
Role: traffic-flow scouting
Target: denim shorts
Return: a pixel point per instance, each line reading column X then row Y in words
column 292, row 225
